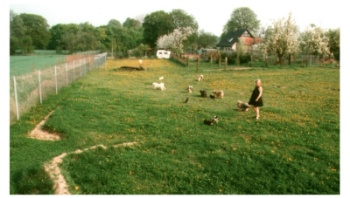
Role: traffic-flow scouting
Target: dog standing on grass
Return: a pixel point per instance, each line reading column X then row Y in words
column 160, row 86
column 190, row 89
column 200, row 77
column 219, row 94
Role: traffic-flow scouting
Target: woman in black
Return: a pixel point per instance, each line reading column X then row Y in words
column 256, row 99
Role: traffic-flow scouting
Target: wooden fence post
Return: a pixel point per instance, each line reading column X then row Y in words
column 40, row 95
column 225, row 63
column 66, row 74
column 56, row 77
column 16, row 99
column 197, row 63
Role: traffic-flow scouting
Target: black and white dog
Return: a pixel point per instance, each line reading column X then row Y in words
column 211, row 121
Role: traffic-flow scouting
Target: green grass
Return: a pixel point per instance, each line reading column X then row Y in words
column 292, row 149
column 20, row 65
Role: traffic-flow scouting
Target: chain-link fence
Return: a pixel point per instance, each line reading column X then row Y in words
column 27, row 90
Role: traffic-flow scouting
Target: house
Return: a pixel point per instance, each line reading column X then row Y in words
column 229, row 41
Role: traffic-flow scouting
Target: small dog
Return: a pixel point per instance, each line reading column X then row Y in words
column 158, row 86
column 242, row 106
column 203, row 93
column 190, row 89
column 200, row 77
column 219, row 93
column 212, row 96
column 211, row 121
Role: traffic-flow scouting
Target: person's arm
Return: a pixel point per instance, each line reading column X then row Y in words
column 260, row 93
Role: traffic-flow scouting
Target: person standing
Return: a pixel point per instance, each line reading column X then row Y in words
column 256, row 99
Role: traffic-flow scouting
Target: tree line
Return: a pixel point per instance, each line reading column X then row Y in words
column 176, row 29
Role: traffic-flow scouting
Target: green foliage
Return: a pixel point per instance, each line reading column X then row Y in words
column 292, row 149
column 334, row 42
column 155, row 25
column 242, row 18
column 37, row 28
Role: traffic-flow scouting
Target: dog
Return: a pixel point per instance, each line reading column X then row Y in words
column 158, row 86
column 200, row 77
column 212, row 96
column 203, row 93
column 211, row 121
column 219, row 93
column 186, row 100
column 190, row 89
column 161, row 78
column 242, row 106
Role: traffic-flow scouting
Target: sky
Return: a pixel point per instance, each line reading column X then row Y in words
column 211, row 15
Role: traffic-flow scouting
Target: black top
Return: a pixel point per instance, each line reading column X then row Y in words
column 255, row 94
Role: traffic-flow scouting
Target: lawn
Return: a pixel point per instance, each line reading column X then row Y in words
column 20, row 65
column 293, row 149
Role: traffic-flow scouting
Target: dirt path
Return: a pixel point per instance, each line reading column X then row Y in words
column 60, row 185
column 38, row 133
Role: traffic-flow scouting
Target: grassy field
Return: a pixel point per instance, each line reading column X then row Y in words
column 20, row 65
column 292, row 149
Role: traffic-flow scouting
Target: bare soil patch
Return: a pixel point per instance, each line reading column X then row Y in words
column 38, row 133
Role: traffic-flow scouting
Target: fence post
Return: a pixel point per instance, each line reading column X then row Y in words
column 197, row 63
column 56, row 77
column 66, row 74
column 74, row 70
column 16, row 100
column 104, row 65
column 225, row 63
column 40, row 96
column 85, row 65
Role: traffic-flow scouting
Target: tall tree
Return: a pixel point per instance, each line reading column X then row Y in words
column 132, row 23
column 181, row 19
column 17, row 32
column 155, row 25
column 206, row 40
column 281, row 38
column 314, row 41
column 37, row 28
column 174, row 40
column 242, row 18
column 334, row 42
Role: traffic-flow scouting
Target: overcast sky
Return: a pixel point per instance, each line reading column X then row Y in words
column 211, row 15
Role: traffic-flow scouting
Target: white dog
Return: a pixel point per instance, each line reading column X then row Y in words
column 160, row 86
column 190, row 89
column 200, row 77
column 242, row 106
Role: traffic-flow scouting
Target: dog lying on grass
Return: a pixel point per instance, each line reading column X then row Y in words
column 242, row 106
column 160, row 86
column 211, row 121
